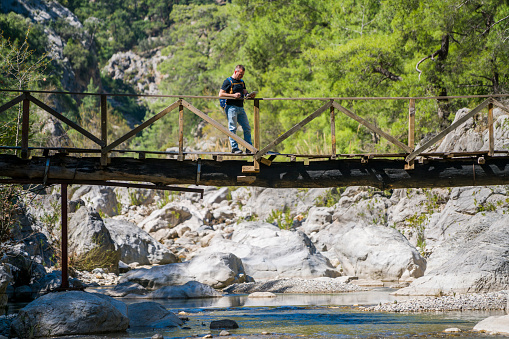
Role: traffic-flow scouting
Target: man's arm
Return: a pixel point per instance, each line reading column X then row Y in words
column 224, row 94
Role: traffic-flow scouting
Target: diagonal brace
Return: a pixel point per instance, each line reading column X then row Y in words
column 446, row 131
column 62, row 118
column 218, row 126
column 292, row 130
column 141, row 127
column 372, row 127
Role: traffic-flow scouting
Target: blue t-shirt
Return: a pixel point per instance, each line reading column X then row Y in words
column 235, row 86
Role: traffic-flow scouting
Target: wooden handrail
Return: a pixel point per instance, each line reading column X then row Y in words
column 331, row 103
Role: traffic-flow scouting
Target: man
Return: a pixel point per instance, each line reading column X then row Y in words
column 234, row 89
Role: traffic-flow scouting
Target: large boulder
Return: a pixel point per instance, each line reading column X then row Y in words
column 378, row 252
column 215, row 269
column 101, row 198
column 151, row 314
column 268, row 252
column 5, row 279
column 136, row 245
column 493, row 325
column 90, row 241
column 475, row 259
column 68, row 313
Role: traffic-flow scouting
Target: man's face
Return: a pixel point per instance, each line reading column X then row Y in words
column 239, row 74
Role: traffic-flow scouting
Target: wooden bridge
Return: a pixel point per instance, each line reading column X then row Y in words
column 108, row 165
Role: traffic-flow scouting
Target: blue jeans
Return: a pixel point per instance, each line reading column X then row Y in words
column 236, row 115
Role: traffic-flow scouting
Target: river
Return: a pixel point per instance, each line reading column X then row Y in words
column 310, row 316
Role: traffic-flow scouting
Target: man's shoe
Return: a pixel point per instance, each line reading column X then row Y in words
column 248, row 151
column 236, row 151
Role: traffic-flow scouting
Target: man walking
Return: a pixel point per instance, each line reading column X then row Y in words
column 234, row 89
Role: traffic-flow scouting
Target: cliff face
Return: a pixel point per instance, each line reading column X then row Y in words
column 44, row 12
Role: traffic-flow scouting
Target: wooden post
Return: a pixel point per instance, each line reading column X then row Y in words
column 104, row 128
column 181, row 132
column 490, row 130
column 25, row 127
column 333, row 132
column 64, row 260
column 411, row 131
column 256, row 123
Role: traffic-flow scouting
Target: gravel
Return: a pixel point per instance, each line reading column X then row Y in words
column 462, row 302
column 295, row 285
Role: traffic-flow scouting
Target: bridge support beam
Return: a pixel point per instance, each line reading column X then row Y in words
column 384, row 174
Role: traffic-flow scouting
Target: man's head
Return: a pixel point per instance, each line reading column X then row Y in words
column 239, row 72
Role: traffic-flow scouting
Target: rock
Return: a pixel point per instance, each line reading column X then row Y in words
column 5, row 279
column 268, row 252
column 157, row 336
column 191, row 289
column 101, row 198
column 224, row 333
column 216, row 197
column 378, row 252
column 68, row 313
column 126, row 289
column 261, row 295
column 136, row 245
column 473, row 260
column 452, row 330
column 223, row 324
column 151, row 314
column 494, row 325
column 167, row 217
column 215, row 269
column 90, row 240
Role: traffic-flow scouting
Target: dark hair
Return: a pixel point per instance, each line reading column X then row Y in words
column 240, row 67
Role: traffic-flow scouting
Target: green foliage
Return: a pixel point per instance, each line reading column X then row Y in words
column 283, row 219
column 9, row 209
column 329, row 198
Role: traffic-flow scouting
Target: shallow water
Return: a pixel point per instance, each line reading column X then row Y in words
column 309, row 315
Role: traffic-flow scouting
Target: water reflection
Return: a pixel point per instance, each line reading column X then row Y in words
column 353, row 298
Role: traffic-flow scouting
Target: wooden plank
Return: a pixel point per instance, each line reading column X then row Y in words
column 25, row 127
column 491, row 134
column 219, row 126
column 333, row 131
column 373, row 128
column 142, row 126
column 256, row 123
column 180, row 157
column 384, row 174
column 67, row 121
column 446, row 131
column 496, row 103
column 411, row 132
column 13, row 102
column 104, row 128
column 292, row 130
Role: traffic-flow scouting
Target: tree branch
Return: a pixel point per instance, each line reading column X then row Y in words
column 487, row 29
column 424, row 59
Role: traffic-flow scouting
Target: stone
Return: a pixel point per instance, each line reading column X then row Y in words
column 136, row 245
column 151, row 314
column 493, row 325
column 191, row 289
column 224, row 333
column 262, row 295
column 452, row 330
column 89, row 237
column 268, row 252
column 223, row 324
column 215, row 269
column 471, row 260
column 68, row 313
column 378, row 252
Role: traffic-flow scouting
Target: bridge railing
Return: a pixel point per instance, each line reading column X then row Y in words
column 331, row 105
